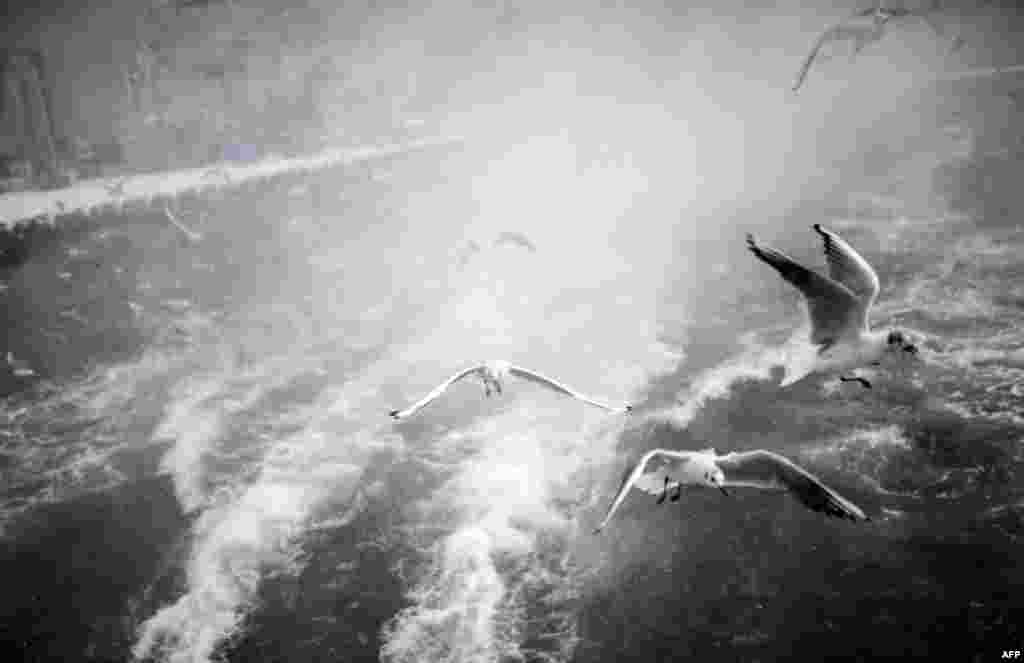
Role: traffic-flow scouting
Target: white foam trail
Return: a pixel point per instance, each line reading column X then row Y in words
column 754, row 362
column 77, row 427
column 253, row 528
column 90, row 195
column 465, row 608
column 192, row 430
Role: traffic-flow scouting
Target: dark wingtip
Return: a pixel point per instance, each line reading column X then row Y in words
column 393, row 414
column 629, row 408
column 597, row 530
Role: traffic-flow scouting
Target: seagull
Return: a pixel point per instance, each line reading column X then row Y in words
column 838, row 305
column 861, row 28
column 515, row 239
column 20, row 367
column 491, row 373
column 745, row 469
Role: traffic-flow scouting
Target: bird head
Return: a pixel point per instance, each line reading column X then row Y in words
column 708, row 473
column 716, row 479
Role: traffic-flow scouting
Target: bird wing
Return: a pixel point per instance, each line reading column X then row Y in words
column 809, row 60
column 550, row 383
column 862, row 26
column 436, row 392
column 635, row 477
column 834, row 310
column 768, row 470
column 849, row 267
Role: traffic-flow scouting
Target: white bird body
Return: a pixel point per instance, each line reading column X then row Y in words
column 759, row 468
column 492, row 373
column 838, row 306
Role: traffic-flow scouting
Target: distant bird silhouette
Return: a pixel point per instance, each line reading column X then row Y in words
column 491, row 373
column 515, row 239
column 860, row 29
column 191, row 234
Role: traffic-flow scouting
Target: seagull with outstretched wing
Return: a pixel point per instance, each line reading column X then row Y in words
column 838, row 306
column 765, row 470
column 862, row 28
column 491, row 373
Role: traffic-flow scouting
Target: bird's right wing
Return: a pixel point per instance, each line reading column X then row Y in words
column 436, row 392
column 635, row 477
column 768, row 470
column 834, row 310
column 550, row 383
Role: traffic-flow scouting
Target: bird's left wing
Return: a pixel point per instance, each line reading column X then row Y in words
column 635, row 477
column 848, row 267
column 550, row 383
column 434, row 393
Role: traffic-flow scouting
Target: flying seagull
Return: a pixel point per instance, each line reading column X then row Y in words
column 491, row 373
column 860, row 29
column 745, row 469
column 19, row 367
column 838, row 305
column 464, row 254
column 515, row 239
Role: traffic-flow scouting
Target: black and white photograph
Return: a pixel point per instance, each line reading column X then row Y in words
column 511, row 331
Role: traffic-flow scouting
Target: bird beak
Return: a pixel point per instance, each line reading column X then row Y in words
column 724, row 491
